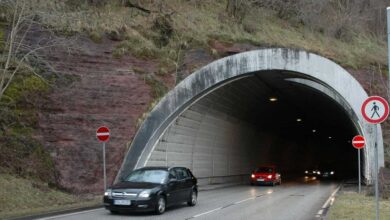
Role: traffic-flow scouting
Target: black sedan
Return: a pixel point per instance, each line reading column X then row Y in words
column 152, row 189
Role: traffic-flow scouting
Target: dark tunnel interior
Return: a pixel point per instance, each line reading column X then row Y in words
column 311, row 129
column 294, row 127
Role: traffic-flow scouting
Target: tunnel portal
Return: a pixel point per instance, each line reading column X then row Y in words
column 272, row 106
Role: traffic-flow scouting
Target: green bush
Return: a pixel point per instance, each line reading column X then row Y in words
column 20, row 153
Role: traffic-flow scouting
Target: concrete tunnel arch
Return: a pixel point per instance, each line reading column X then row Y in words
column 314, row 71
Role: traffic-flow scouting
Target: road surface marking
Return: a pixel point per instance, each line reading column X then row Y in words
column 244, row 200
column 226, row 206
column 328, row 203
column 205, row 213
column 70, row 214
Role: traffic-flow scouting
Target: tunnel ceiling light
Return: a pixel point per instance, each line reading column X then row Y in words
column 314, row 130
column 273, row 99
column 299, row 119
column 330, row 137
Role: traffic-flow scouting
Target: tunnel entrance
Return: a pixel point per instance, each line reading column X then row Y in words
column 273, row 106
column 257, row 120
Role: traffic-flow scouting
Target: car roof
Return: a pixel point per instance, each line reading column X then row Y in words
column 159, row 168
column 154, row 168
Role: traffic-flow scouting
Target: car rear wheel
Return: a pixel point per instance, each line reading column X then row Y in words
column 193, row 198
column 161, row 205
column 114, row 212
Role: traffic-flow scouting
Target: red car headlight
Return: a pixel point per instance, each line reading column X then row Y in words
column 253, row 175
column 269, row 176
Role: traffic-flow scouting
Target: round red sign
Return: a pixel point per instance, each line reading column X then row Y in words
column 375, row 109
column 358, row 142
column 103, row 134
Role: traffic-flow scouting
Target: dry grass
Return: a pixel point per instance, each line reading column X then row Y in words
column 37, row 198
column 195, row 23
column 354, row 206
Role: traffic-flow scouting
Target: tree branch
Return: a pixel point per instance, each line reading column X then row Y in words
column 131, row 5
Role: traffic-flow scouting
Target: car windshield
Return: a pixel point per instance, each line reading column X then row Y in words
column 149, row 176
column 264, row 170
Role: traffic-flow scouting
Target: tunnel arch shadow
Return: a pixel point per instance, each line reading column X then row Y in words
column 303, row 69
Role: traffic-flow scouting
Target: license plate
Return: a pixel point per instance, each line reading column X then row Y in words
column 260, row 179
column 122, row 202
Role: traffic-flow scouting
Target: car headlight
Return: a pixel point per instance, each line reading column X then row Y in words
column 331, row 172
column 144, row 194
column 318, row 172
column 269, row 176
column 253, row 175
column 108, row 192
column 306, row 171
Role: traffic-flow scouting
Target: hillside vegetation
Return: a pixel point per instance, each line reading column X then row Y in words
column 351, row 32
column 37, row 197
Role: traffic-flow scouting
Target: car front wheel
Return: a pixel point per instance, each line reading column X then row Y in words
column 161, row 205
column 193, row 198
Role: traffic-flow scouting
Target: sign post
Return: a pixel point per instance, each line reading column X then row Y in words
column 375, row 110
column 103, row 134
column 359, row 142
column 388, row 48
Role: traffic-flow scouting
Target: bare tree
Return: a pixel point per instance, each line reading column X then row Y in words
column 17, row 52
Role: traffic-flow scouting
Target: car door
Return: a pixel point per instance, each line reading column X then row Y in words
column 186, row 183
column 181, row 181
column 173, row 192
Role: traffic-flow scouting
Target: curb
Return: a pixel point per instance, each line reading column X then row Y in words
column 323, row 212
column 53, row 213
column 217, row 186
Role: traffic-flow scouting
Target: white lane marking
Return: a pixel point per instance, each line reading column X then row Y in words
column 234, row 203
column 205, row 213
column 70, row 214
column 328, row 203
column 244, row 200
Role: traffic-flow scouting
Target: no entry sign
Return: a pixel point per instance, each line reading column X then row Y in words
column 375, row 109
column 103, row 134
column 358, row 142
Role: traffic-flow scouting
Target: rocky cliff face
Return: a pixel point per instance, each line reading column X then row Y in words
column 99, row 90
column 102, row 90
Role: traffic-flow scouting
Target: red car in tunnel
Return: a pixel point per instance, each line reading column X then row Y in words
column 266, row 175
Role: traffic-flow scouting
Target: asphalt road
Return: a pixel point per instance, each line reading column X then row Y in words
column 293, row 200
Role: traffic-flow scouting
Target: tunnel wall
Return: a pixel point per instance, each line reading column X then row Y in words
column 225, row 70
column 218, row 145
column 214, row 145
